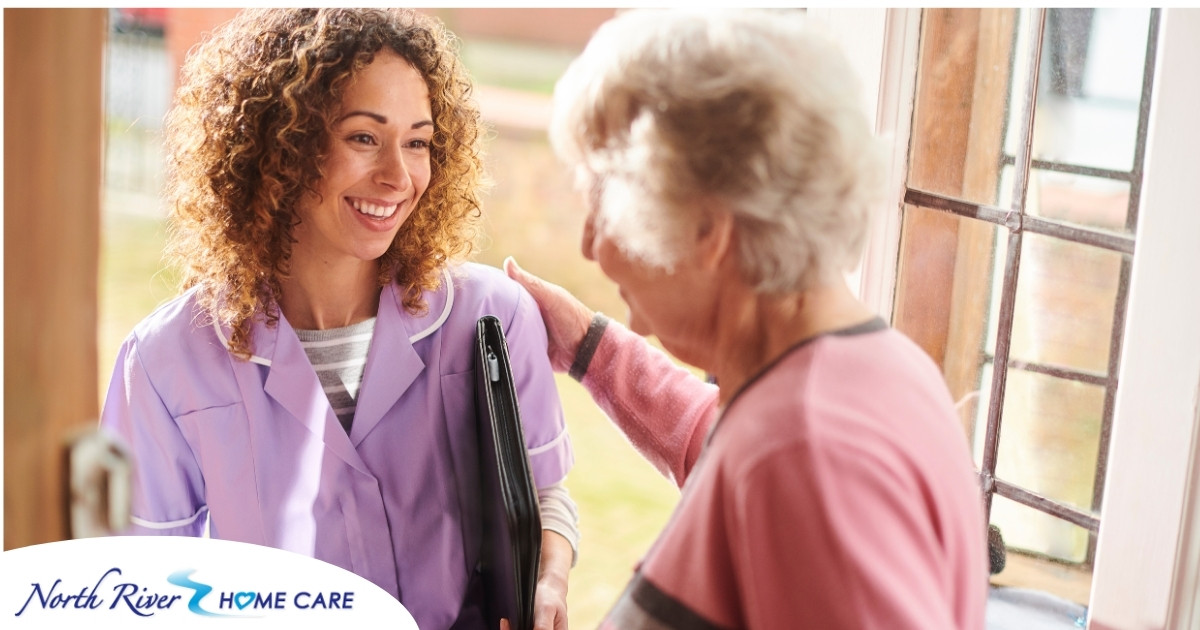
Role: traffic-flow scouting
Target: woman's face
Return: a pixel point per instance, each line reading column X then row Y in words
column 676, row 305
column 377, row 166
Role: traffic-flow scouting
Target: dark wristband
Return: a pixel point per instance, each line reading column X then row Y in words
column 587, row 347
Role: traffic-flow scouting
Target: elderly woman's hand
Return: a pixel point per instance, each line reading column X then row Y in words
column 567, row 319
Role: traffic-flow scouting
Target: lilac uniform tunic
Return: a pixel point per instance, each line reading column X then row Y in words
column 254, row 449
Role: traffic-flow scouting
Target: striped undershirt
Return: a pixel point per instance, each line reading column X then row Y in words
column 338, row 356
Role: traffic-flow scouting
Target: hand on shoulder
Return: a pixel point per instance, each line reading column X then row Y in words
column 567, row 319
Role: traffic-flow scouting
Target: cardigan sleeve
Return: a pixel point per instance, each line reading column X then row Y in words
column 665, row 410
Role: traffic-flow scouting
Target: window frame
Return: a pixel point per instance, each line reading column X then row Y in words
column 1153, row 451
column 1148, row 547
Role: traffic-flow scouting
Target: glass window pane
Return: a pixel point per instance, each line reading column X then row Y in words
column 1066, row 296
column 962, row 102
column 1031, row 530
column 1025, row 528
column 1079, row 200
column 1073, row 199
column 1050, row 436
column 1091, row 79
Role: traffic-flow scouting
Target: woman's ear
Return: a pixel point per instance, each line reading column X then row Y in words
column 714, row 239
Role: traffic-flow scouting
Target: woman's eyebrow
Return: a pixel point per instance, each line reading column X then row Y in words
column 381, row 119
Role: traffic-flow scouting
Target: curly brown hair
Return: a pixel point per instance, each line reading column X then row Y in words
column 246, row 140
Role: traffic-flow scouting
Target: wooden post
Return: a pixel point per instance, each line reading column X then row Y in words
column 943, row 289
column 53, row 129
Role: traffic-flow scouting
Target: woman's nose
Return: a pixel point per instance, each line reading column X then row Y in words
column 392, row 170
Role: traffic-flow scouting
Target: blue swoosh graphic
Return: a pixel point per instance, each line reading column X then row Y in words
column 180, row 578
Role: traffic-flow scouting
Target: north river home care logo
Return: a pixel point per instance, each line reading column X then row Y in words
column 113, row 591
column 148, row 582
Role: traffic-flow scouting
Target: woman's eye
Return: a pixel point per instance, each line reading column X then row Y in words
column 418, row 144
column 363, row 138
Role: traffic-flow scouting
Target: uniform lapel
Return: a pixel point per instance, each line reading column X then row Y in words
column 393, row 365
column 292, row 382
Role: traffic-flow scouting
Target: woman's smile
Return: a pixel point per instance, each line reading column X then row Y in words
column 376, row 209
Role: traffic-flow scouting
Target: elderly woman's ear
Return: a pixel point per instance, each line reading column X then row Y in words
column 715, row 240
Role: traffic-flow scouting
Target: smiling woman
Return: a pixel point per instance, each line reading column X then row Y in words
column 310, row 389
column 376, row 170
column 249, row 145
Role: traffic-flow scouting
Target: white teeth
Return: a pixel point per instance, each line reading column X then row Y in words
column 382, row 212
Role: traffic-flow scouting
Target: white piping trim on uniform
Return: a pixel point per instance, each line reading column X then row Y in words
column 562, row 435
column 254, row 358
column 168, row 524
column 445, row 311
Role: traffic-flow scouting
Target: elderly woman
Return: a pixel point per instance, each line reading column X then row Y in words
column 826, row 484
column 312, row 387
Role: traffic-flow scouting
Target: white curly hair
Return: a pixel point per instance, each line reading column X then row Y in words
column 755, row 109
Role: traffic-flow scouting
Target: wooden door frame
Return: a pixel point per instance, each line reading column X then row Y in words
column 53, row 157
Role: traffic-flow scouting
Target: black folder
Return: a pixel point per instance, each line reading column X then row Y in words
column 512, row 525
